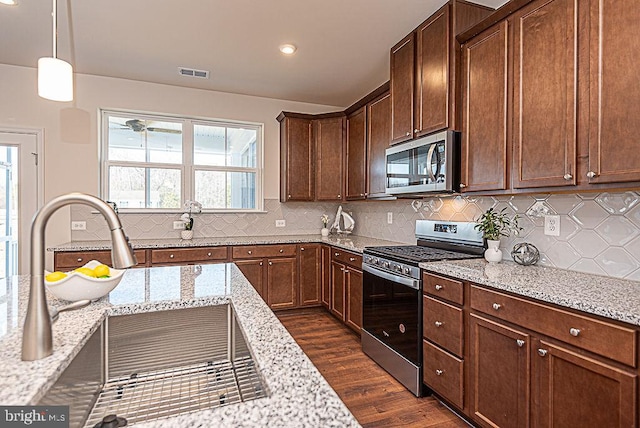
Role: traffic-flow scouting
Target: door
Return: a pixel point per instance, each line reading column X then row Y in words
column 329, row 138
column 253, row 270
column 614, row 91
column 545, row 76
column 310, row 274
column 357, row 155
column 19, row 198
column 572, row 390
column 296, row 160
column 484, row 124
column 499, row 374
column 326, row 276
column 282, row 276
column 337, row 290
column 378, row 139
column 354, row 298
column 402, row 88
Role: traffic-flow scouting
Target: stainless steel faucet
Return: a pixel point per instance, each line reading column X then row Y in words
column 37, row 340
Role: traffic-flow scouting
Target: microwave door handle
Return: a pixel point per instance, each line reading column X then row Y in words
column 432, row 148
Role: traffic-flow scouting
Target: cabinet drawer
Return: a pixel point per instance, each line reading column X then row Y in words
column 186, row 255
column 75, row 259
column 443, row 324
column 443, row 373
column 607, row 339
column 444, row 288
column 259, row 251
column 347, row 257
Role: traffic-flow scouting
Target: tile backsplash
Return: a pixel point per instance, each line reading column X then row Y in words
column 599, row 233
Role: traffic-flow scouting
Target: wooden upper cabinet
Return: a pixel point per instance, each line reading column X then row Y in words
column 402, row 89
column 484, row 127
column 544, row 92
column 432, row 73
column 297, row 158
column 378, row 139
column 357, row 155
column 329, row 138
column 614, row 92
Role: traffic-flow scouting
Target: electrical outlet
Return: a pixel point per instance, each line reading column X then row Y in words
column 389, row 217
column 552, row 225
column 178, row 225
column 281, row 223
column 78, row 225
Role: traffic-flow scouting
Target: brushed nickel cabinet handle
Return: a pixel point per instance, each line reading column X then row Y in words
column 542, row 352
column 438, row 287
column 520, row 343
column 575, row 332
column 496, row 306
column 438, row 323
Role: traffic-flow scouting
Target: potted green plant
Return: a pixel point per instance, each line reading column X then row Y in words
column 494, row 225
column 325, row 221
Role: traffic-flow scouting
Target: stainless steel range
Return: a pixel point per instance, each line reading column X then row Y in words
column 392, row 295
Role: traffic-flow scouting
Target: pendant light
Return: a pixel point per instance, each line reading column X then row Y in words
column 55, row 76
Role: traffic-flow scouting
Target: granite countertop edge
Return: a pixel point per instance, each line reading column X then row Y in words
column 612, row 298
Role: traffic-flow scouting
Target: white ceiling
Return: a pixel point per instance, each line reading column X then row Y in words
column 343, row 45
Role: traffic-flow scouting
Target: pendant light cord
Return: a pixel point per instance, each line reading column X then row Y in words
column 55, row 28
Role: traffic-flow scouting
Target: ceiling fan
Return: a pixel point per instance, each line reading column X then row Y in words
column 137, row 125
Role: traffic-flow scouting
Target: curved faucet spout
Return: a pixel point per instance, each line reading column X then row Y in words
column 37, row 336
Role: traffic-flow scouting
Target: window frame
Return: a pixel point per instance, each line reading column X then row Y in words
column 187, row 167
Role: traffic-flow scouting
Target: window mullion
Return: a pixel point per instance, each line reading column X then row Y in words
column 188, row 146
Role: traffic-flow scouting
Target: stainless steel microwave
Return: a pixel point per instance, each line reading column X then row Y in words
column 427, row 165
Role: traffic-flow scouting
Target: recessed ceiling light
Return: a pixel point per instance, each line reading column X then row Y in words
column 287, row 49
column 9, row 2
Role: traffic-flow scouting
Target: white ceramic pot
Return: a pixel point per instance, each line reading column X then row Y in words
column 493, row 254
column 186, row 234
column 324, row 231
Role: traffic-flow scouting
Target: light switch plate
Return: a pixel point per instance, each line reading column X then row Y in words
column 78, row 225
column 389, row 217
column 552, row 225
column 281, row 223
column 178, row 225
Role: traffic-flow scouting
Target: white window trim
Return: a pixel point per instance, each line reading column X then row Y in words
column 187, row 167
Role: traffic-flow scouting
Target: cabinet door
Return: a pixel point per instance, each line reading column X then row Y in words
column 281, row 283
column 432, row 76
column 484, row 125
column 544, row 82
column 338, row 290
column 310, row 265
column 571, row 390
column 353, row 285
column 357, row 154
column 253, row 270
column 499, row 377
column 402, row 89
column 329, row 137
column 296, row 160
column 614, row 91
column 378, row 139
column 326, row 276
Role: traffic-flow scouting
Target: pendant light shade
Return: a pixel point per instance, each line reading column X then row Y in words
column 55, row 76
column 55, row 79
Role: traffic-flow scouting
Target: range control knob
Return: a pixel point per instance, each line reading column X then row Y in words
column 407, row 270
column 375, row 261
column 386, row 264
column 397, row 268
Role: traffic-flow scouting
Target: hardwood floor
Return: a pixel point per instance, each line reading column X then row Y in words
column 374, row 397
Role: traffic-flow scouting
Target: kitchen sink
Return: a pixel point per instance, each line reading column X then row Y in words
column 153, row 365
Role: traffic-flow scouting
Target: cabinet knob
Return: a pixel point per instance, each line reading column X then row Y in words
column 301, row 248
column 438, row 287
column 591, row 174
column 462, row 185
column 249, row 252
column 79, row 259
column 341, row 269
column 352, row 259
column 408, row 133
column 281, row 250
column 439, row 372
column 261, row 263
column 171, row 256
column 339, row 196
column 336, row 254
column 567, row 177
column 416, row 130
column 270, row 263
column 288, row 196
column 361, row 194
column 520, row 343
column 496, row 306
column 575, row 332
column 542, row 352
column 208, row 254
column 438, row 323
column 346, row 271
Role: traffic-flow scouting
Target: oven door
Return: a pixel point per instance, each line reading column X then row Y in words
column 392, row 311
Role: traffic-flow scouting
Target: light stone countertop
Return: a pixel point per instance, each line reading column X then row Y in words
column 347, row 242
column 613, row 298
column 298, row 394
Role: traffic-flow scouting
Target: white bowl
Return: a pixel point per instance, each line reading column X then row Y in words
column 77, row 286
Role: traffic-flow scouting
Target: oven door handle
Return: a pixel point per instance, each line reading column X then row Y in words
column 409, row 282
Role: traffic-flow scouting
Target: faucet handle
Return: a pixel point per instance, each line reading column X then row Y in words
column 55, row 312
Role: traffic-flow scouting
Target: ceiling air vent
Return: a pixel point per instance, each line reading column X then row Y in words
column 190, row 72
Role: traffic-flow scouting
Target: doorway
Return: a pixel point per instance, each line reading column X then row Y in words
column 20, row 187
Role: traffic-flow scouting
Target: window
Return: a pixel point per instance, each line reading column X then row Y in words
column 158, row 162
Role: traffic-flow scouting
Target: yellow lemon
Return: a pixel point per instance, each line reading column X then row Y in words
column 101, row 270
column 86, row 271
column 55, row 276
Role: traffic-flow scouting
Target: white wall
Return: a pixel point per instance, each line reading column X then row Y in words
column 71, row 146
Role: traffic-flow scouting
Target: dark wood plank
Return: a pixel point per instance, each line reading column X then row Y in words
column 374, row 397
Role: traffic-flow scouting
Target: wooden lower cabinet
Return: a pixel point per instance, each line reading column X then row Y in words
column 68, row 260
column 346, row 288
column 310, row 274
column 572, row 390
column 253, row 270
column 499, row 374
column 282, row 282
column 353, row 285
column 337, row 290
column 325, row 290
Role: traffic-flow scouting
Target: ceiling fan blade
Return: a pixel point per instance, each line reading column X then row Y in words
column 165, row 130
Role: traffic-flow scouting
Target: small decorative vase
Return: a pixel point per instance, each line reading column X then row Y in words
column 324, row 231
column 493, row 254
column 186, row 234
